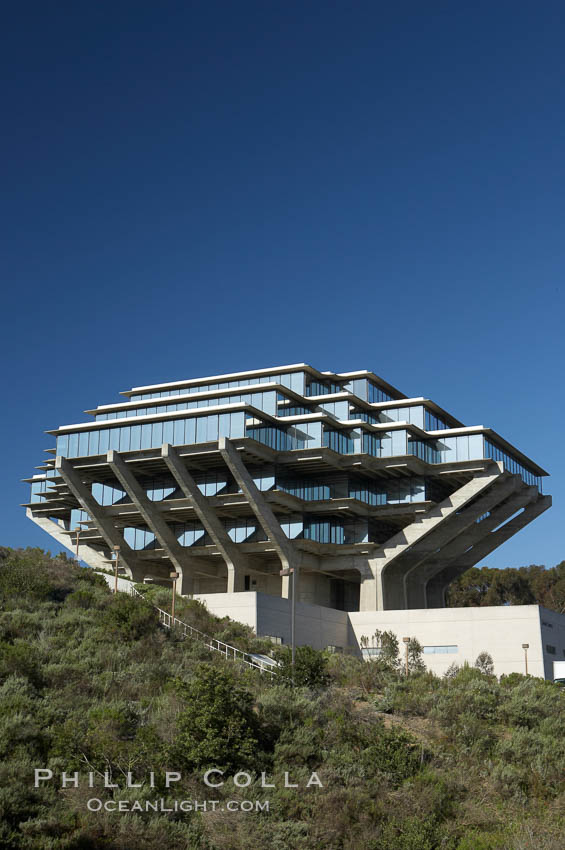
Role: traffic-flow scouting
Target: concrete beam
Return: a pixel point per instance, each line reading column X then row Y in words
column 262, row 510
column 106, row 527
column 436, row 587
column 265, row 516
column 236, row 561
column 455, row 550
column 450, row 536
column 178, row 557
column 389, row 555
column 88, row 554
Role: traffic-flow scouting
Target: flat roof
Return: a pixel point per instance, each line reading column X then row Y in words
column 293, row 367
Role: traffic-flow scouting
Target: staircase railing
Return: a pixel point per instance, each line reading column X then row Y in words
column 215, row 645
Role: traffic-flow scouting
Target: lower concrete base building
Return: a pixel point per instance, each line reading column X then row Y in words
column 448, row 635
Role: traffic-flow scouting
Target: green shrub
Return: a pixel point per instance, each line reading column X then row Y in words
column 216, row 726
column 129, row 619
column 394, row 753
column 310, row 667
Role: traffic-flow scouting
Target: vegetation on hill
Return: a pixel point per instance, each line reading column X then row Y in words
column 90, row 682
column 522, row 586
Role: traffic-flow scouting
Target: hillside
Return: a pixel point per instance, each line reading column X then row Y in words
column 93, row 683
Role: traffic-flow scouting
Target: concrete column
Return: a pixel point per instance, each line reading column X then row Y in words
column 369, row 591
column 262, row 510
column 236, row 562
column 236, row 579
column 448, row 536
column 428, row 532
column 178, row 557
column 455, row 551
column 112, row 536
column 286, row 584
column 437, row 587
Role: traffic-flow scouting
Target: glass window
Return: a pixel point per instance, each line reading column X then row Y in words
column 190, row 431
column 157, row 435
column 93, row 442
column 178, row 432
column 168, row 432
column 114, row 441
column 438, row 650
column 201, row 429
column 135, row 438
column 63, row 445
column 103, row 442
column 125, row 434
column 83, row 444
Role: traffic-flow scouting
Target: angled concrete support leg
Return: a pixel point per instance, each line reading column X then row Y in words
column 437, row 587
column 262, row 510
column 401, row 551
column 106, row 527
column 178, row 557
column 455, row 551
column 91, row 556
column 448, row 535
column 236, row 562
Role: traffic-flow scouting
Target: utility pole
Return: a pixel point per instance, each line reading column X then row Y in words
column 174, row 577
column 78, row 530
column 525, row 647
column 406, row 641
column 291, row 572
column 116, row 559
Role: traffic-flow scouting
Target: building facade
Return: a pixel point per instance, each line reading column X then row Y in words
column 374, row 500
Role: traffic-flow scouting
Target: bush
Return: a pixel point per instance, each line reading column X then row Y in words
column 129, row 618
column 310, row 667
column 216, row 726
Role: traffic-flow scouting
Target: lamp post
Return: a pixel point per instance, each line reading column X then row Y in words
column 78, row 530
column 525, row 647
column 406, row 641
column 290, row 572
column 174, row 577
column 116, row 559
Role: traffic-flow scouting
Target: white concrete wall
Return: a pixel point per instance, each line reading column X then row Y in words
column 238, row 606
column 270, row 615
column 124, row 584
column 552, row 635
column 499, row 630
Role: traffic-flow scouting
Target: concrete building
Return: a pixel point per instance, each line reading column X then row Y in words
column 375, row 500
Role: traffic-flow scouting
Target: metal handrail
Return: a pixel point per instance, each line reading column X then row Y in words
column 211, row 643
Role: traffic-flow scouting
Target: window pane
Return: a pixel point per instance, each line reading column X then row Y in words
column 178, row 432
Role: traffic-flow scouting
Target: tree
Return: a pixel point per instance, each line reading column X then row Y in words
column 415, row 660
column 512, row 586
column 310, row 667
column 130, row 618
column 484, row 663
column 387, row 643
column 217, row 726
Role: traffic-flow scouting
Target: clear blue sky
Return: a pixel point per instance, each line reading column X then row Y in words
column 195, row 188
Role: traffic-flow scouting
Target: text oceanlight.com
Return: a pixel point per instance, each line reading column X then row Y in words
column 164, row 806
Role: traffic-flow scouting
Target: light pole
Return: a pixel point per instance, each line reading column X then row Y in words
column 406, row 641
column 174, row 577
column 78, row 530
column 525, row 647
column 116, row 559
column 290, row 572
